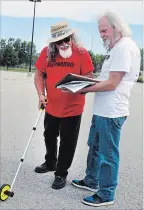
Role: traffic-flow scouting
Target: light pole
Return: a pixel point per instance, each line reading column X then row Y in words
column 35, row 1
column 92, row 43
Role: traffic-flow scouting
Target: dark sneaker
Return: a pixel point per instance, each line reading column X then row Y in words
column 82, row 185
column 44, row 168
column 59, row 182
column 96, row 201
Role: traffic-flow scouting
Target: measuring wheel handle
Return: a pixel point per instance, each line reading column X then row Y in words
column 5, row 189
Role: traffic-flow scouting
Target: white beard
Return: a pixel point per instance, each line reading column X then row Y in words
column 107, row 44
column 65, row 53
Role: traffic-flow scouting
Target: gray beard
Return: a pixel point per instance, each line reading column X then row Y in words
column 65, row 53
column 107, row 44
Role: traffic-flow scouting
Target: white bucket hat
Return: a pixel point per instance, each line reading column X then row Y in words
column 60, row 31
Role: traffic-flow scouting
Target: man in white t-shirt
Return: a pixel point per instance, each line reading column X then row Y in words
column 119, row 72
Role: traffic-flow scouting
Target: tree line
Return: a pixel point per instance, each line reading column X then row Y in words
column 16, row 53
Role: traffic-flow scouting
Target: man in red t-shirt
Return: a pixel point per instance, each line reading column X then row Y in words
column 63, row 111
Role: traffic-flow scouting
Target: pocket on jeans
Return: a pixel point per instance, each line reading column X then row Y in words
column 119, row 121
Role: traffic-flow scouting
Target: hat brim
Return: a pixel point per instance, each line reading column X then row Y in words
column 52, row 40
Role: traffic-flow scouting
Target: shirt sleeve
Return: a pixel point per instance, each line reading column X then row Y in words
column 41, row 62
column 121, row 60
column 86, row 63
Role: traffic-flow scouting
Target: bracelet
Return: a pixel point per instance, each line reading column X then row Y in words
column 41, row 94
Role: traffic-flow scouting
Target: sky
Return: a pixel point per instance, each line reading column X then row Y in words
column 17, row 16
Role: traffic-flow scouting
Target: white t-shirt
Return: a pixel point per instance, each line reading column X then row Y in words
column 124, row 57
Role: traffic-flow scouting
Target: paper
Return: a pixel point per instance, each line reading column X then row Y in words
column 74, row 82
column 74, row 86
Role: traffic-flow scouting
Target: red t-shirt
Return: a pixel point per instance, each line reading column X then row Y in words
column 62, row 104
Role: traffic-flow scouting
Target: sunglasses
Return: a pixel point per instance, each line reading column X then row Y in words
column 66, row 40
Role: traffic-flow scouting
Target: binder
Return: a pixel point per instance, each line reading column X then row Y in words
column 74, row 82
column 74, row 77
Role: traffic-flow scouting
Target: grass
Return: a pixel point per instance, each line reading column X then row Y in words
column 16, row 69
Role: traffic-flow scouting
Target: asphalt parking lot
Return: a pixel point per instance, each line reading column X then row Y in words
column 33, row 191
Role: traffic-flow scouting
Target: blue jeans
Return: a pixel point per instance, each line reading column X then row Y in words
column 103, row 155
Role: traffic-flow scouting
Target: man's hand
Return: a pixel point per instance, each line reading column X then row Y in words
column 42, row 100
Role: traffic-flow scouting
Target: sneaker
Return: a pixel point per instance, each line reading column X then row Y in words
column 96, row 201
column 44, row 168
column 82, row 185
column 59, row 182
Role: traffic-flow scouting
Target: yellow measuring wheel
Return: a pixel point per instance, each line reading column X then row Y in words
column 5, row 192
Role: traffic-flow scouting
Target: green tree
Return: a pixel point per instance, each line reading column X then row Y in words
column 29, row 52
column 23, row 54
column 93, row 59
column 142, row 57
column 2, row 49
column 17, row 45
column 99, row 61
column 10, row 57
column 10, row 41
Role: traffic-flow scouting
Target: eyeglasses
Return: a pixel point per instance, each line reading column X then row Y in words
column 66, row 40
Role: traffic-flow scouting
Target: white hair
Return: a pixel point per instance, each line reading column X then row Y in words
column 116, row 22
